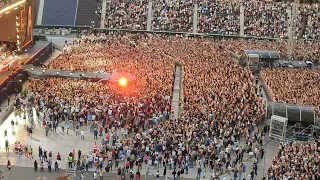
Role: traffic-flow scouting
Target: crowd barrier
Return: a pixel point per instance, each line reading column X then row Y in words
column 266, row 88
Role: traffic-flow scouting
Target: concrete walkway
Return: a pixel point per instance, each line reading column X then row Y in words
column 176, row 92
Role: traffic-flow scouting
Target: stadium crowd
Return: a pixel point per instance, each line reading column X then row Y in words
column 172, row 15
column 123, row 14
column 262, row 18
column 219, row 18
column 296, row 161
column 265, row 20
column 312, row 16
column 294, row 86
column 216, row 112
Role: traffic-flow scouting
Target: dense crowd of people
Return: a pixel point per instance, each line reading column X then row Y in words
column 261, row 18
column 123, row 14
column 219, row 101
column 294, row 86
column 176, row 15
column 296, row 161
column 218, row 18
column 312, row 16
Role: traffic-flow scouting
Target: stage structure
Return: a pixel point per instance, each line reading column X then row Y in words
column 253, row 62
column 18, row 19
column 302, row 123
column 294, row 113
column 266, row 58
column 278, row 127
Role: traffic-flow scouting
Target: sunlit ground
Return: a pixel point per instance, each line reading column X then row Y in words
column 15, row 133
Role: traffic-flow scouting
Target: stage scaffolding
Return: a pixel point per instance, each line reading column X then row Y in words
column 294, row 122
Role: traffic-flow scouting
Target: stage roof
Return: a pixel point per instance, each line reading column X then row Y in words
column 263, row 54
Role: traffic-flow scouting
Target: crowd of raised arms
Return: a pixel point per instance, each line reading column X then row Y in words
column 211, row 119
column 261, row 18
column 281, row 91
column 219, row 100
column 296, row 161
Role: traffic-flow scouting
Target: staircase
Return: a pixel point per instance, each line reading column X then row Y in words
column 40, row 11
column 59, row 12
column 85, row 13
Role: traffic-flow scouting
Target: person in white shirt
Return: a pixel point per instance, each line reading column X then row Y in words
column 95, row 176
column 82, row 176
column 82, row 134
column 157, row 175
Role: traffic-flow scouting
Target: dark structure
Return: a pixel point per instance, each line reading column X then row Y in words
column 266, row 57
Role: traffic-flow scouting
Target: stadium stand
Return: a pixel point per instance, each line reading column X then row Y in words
column 86, row 13
column 59, row 12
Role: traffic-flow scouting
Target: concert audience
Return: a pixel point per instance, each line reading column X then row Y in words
column 172, row 15
column 294, row 86
column 218, row 18
column 219, row 99
column 123, row 14
column 296, row 161
column 203, row 60
column 312, row 27
column 178, row 144
column 263, row 19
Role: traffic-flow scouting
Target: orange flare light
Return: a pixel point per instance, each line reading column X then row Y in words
column 123, row 82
